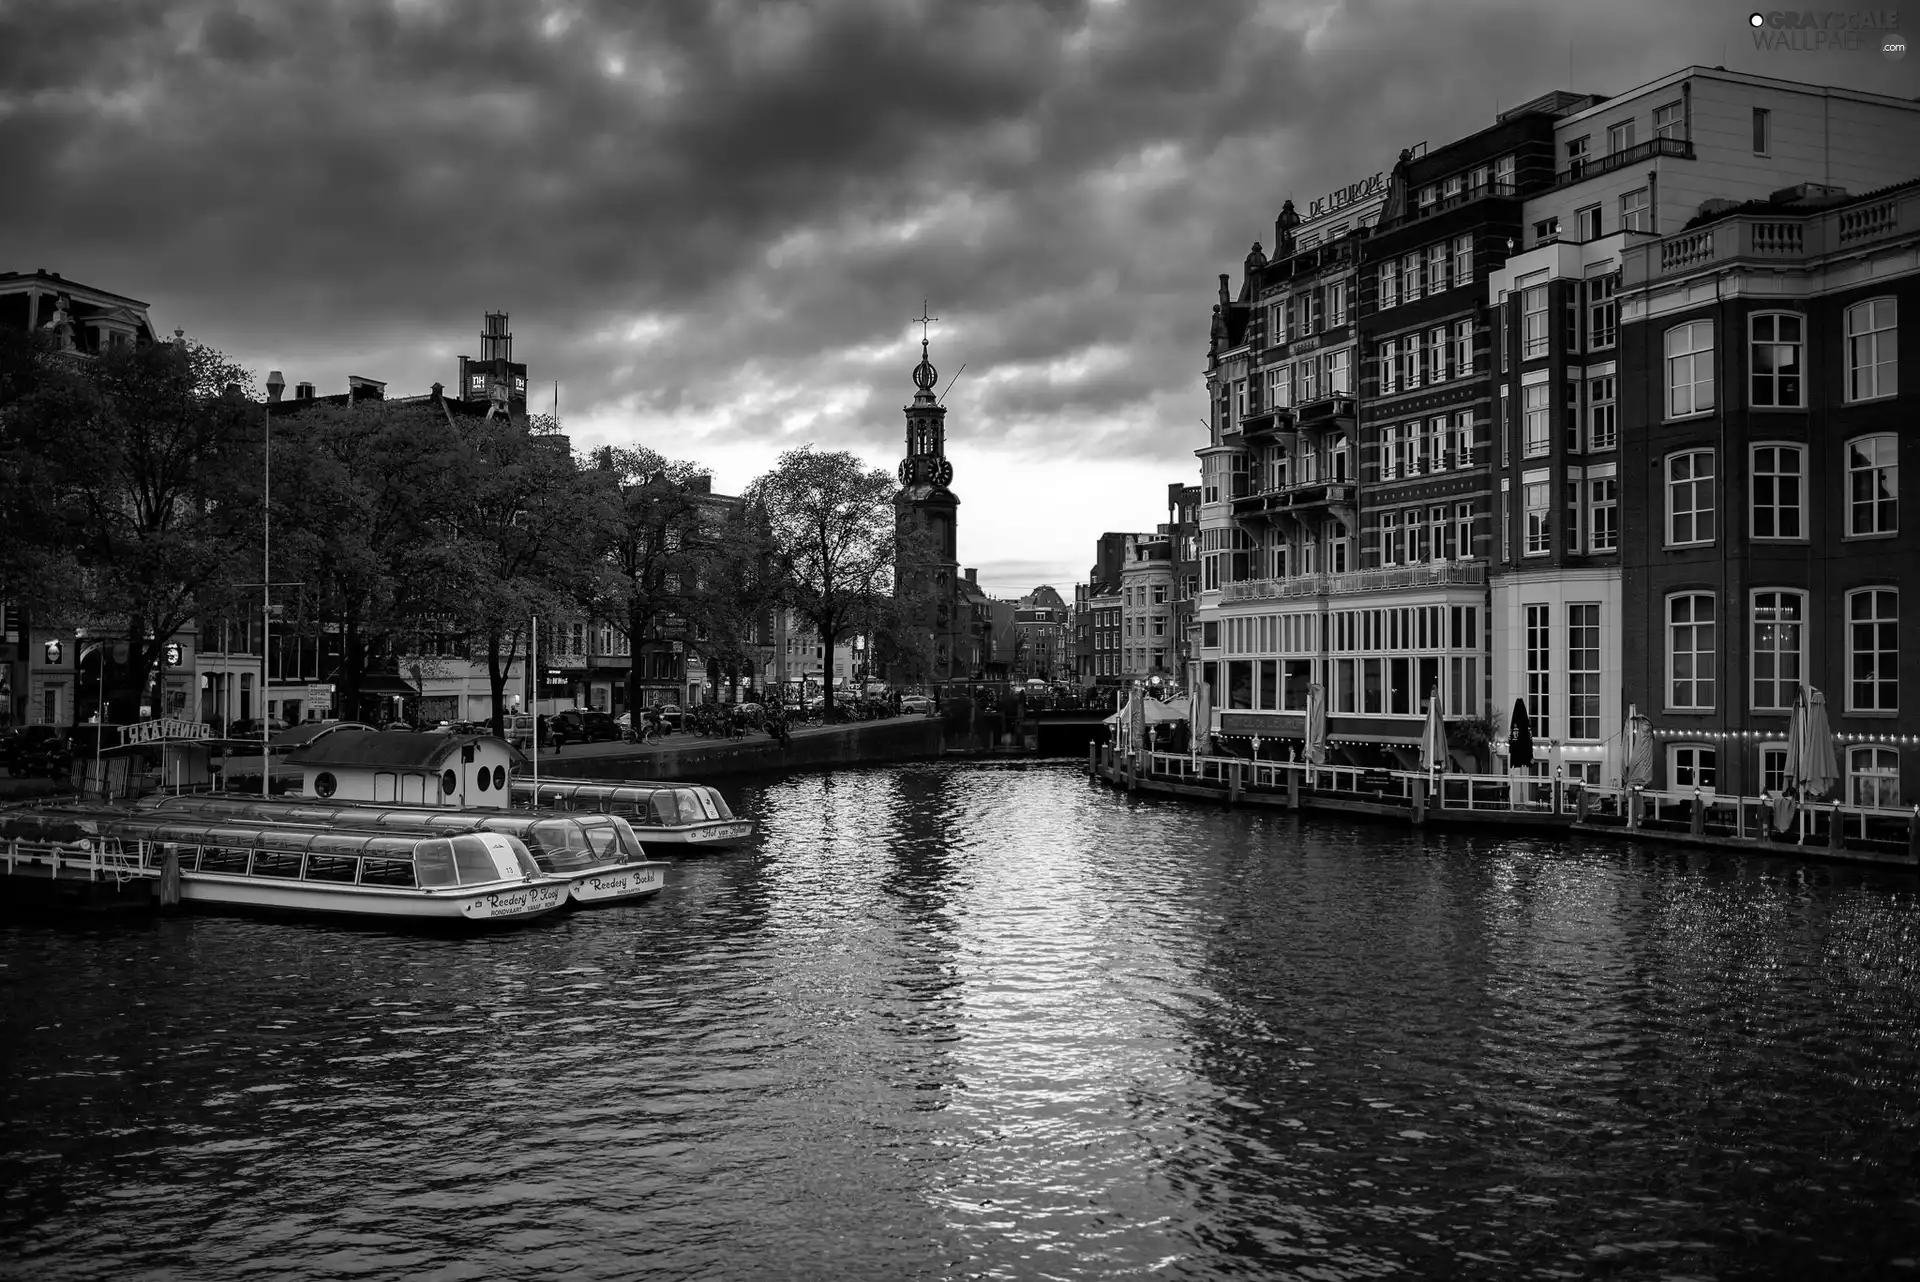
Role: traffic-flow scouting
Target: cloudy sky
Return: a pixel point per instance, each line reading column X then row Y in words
column 712, row 221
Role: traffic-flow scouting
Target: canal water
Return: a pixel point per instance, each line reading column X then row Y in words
column 963, row 1022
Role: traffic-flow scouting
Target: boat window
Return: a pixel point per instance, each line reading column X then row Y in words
column 719, row 803
column 500, row 777
column 224, row 859
column 324, row 784
column 629, row 840
column 522, row 858
column 385, row 784
column 662, row 809
column 474, row 857
column 387, row 872
column 602, row 838
column 341, row 868
column 484, row 779
column 449, row 782
column 276, row 863
column 694, row 805
column 553, row 836
column 433, row 863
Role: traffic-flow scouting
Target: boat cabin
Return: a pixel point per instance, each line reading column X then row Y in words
column 408, row 769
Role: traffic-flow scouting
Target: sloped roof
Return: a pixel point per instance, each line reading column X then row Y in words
column 398, row 749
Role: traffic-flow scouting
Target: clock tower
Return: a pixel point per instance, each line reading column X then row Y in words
column 926, row 514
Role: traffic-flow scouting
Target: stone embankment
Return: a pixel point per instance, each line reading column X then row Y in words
column 689, row 756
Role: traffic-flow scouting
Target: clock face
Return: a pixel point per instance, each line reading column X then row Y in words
column 906, row 471
column 942, row 472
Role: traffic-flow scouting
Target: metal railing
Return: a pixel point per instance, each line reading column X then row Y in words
column 1655, row 811
column 1433, row 574
column 1581, row 170
column 98, row 859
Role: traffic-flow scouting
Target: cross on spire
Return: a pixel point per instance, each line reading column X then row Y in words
column 923, row 320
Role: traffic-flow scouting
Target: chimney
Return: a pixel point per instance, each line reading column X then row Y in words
column 303, row 391
column 973, row 576
column 276, row 385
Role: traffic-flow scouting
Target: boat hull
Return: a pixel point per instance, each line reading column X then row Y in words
column 616, row 885
column 712, row 835
column 498, row 903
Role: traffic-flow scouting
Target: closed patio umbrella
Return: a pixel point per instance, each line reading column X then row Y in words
column 1817, row 767
column 1433, row 739
column 1137, row 722
column 1520, row 737
column 1202, row 718
column 1316, row 724
column 1639, row 752
column 1796, row 741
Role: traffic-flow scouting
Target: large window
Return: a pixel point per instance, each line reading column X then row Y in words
column 1412, row 276
column 1533, row 313
column 1539, row 674
column 1690, row 369
column 1462, row 358
column 1389, row 286
column 1389, row 366
column 1583, row 671
column 1603, row 311
column 1437, row 257
column 1539, row 516
column 1462, row 260
column 1873, row 485
column 1620, row 136
column 1873, row 650
column 1690, row 497
column 1636, row 210
column 1777, row 486
column 1338, row 368
column 1690, row 651
column 1873, row 349
column 1603, row 421
column 1603, row 511
column 1777, row 350
column 1667, row 120
column 1538, row 417
column 1873, row 777
column 1777, row 635
column 1694, row 766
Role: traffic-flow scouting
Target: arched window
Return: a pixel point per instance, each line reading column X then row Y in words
column 1776, row 360
column 1873, row 777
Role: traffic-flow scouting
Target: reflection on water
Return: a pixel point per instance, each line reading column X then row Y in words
column 997, row 1023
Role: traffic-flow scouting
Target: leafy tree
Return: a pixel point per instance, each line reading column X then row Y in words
column 656, row 550
column 364, row 505
column 733, row 591
column 830, row 525
column 134, row 485
column 530, row 533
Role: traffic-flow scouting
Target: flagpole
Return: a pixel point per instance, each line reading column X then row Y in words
column 533, row 686
column 266, row 592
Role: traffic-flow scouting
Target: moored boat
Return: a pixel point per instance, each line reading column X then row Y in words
column 679, row 814
column 599, row 855
column 459, row 877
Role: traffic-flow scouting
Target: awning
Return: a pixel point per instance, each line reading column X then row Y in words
column 388, row 683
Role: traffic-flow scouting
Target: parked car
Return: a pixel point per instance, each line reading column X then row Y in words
column 671, row 717
column 916, row 703
column 249, row 728
column 581, row 725
column 519, row 731
column 36, row 752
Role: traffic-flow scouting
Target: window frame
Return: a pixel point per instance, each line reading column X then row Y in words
column 1603, row 474
column 1536, row 333
column 1636, row 209
column 1795, row 380
column 1693, row 623
column 1762, row 131
column 1536, row 506
column 1880, row 755
column 1689, row 333
column 1875, row 504
column 1536, row 417
column 1885, row 658
column 1705, row 758
column 1692, row 481
column 1584, row 646
column 1775, row 507
column 1675, row 123
column 1602, row 435
column 1783, row 688
column 1620, row 136
column 1851, row 338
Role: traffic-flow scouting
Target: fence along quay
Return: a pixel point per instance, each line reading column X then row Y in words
column 1823, row 830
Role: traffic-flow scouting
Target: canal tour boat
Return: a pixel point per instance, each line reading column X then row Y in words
column 391, row 877
column 678, row 814
column 599, row 855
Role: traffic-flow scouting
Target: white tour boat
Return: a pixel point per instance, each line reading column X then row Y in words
column 599, row 855
column 463, row 877
column 680, row 814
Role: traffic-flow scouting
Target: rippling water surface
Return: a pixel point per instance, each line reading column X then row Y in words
column 953, row 1022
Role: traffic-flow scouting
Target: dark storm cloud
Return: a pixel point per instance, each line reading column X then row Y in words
column 722, row 214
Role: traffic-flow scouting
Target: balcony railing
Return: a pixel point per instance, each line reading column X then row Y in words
column 1776, row 237
column 1437, row 574
column 1492, row 189
column 1582, row 170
